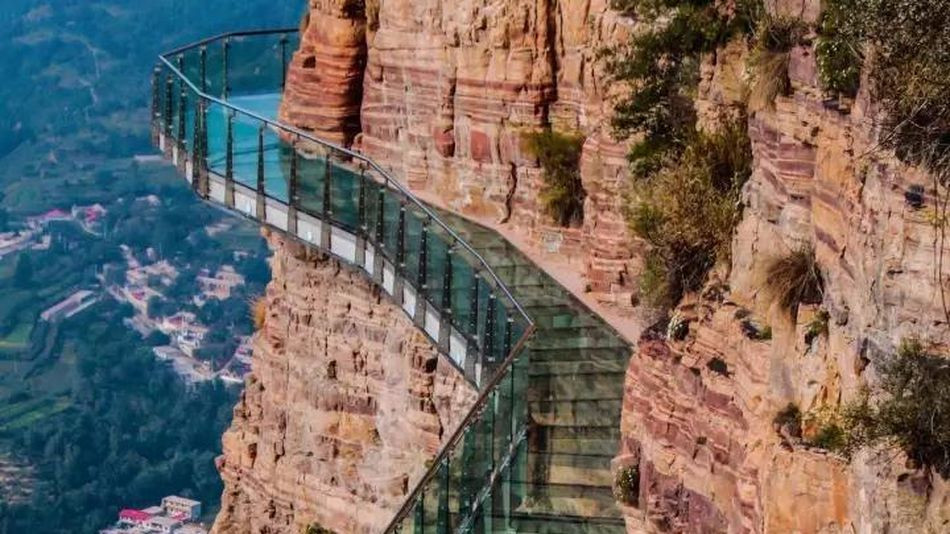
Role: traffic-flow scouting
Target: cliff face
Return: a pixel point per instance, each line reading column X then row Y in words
column 698, row 413
column 346, row 403
column 448, row 92
column 324, row 78
column 441, row 92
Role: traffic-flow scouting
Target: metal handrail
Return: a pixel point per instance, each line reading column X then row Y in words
column 390, row 180
column 486, row 393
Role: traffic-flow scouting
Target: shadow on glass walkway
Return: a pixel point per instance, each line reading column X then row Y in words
column 534, row 453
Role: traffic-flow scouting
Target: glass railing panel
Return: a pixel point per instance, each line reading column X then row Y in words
column 458, row 500
column 214, row 69
column 479, row 450
column 437, row 251
column 246, row 149
column 275, row 152
column 219, row 120
column 311, row 190
column 373, row 219
column 189, row 63
column 344, row 192
column 392, row 206
column 481, row 318
column 463, row 288
column 257, row 63
column 502, row 431
column 415, row 221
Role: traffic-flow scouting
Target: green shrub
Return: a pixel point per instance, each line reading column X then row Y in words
column 913, row 413
column 627, row 485
column 909, row 71
column 769, row 58
column 831, row 437
column 661, row 65
column 790, row 418
column 317, row 529
column 562, row 195
column 838, row 50
column 688, row 209
column 818, row 326
column 910, row 78
column 795, row 279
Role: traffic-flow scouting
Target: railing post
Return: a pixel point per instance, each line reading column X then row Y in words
column 489, row 348
column 182, row 141
column 327, row 205
column 169, row 109
column 399, row 278
column 361, row 228
column 196, row 151
column 422, row 286
column 419, row 512
column 292, row 191
column 445, row 317
column 203, row 68
column 261, row 184
column 227, row 67
column 472, row 356
column 157, row 90
column 380, row 235
column 442, row 514
column 283, row 61
column 229, row 163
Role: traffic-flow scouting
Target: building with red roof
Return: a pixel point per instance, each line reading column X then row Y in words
column 133, row 517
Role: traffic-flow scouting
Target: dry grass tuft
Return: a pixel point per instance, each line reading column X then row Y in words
column 796, row 279
column 259, row 312
column 768, row 61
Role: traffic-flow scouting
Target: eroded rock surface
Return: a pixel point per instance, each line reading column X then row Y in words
column 346, row 403
column 698, row 413
column 448, row 91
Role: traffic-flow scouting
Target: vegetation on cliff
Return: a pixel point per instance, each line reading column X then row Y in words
column 908, row 67
column 684, row 198
column 912, row 413
column 562, row 195
column 627, row 485
column 769, row 57
column 910, row 410
column 686, row 210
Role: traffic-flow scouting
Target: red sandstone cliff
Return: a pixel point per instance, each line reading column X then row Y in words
column 346, row 403
column 698, row 413
column 448, row 91
column 441, row 92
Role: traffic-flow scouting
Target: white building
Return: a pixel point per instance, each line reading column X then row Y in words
column 182, row 508
column 164, row 525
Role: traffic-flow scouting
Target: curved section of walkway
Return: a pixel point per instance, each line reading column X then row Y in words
column 534, row 454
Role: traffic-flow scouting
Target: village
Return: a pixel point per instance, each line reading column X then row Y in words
column 141, row 286
column 34, row 235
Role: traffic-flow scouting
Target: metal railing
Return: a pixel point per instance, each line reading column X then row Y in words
column 345, row 203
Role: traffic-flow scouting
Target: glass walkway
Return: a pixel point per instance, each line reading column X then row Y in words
column 534, row 453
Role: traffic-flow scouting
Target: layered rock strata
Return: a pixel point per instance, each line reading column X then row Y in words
column 323, row 89
column 346, row 403
column 698, row 412
column 449, row 91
